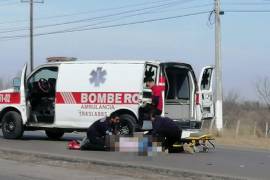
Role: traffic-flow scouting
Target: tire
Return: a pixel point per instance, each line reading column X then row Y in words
column 54, row 134
column 127, row 124
column 12, row 126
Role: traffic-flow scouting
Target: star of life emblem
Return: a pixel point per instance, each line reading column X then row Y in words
column 98, row 76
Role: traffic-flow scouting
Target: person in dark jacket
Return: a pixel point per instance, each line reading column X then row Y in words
column 97, row 132
column 166, row 130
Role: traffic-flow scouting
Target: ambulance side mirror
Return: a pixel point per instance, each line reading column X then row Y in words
column 16, row 83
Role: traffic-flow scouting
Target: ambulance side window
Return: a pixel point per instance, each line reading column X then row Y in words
column 47, row 73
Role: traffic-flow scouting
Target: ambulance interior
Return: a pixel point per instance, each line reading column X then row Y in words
column 179, row 87
column 41, row 90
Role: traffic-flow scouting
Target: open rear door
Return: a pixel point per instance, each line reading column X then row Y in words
column 24, row 110
column 206, row 91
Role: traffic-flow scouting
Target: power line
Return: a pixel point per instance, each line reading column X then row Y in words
column 246, row 3
column 111, row 20
column 92, row 11
column 108, row 21
column 95, row 18
column 190, row 7
column 105, row 27
column 107, row 9
column 8, row 4
column 248, row 11
column 149, row 12
column 5, row 1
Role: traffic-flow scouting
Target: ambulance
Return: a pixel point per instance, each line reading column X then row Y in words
column 61, row 97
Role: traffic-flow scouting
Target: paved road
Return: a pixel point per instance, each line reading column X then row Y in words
column 13, row 170
column 224, row 161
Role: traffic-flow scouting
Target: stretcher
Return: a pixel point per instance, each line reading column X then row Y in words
column 196, row 142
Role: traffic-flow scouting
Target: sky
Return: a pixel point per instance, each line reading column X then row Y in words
column 245, row 35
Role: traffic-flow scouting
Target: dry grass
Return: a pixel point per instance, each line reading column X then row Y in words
column 254, row 143
column 228, row 138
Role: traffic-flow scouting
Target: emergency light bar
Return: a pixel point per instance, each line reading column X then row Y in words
column 60, row 59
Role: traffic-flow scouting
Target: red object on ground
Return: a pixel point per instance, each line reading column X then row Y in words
column 74, row 145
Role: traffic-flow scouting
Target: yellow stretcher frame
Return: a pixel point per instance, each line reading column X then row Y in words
column 194, row 141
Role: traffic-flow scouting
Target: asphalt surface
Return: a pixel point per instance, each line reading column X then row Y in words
column 13, row 170
column 251, row 164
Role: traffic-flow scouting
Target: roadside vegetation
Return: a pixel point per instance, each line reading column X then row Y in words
column 246, row 123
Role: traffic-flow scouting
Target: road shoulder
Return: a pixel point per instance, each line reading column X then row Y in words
column 113, row 167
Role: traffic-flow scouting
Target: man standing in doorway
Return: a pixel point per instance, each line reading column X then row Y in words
column 156, row 106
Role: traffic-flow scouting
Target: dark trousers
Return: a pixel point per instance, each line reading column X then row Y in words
column 94, row 144
column 169, row 140
column 145, row 112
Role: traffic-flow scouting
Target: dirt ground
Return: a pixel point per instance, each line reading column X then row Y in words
column 247, row 141
column 243, row 140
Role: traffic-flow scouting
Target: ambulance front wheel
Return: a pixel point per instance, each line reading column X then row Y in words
column 12, row 126
column 54, row 133
column 127, row 124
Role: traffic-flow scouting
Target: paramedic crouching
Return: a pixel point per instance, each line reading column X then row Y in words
column 97, row 132
column 166, row 130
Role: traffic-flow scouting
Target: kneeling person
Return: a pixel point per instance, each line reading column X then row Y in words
column 97, row 132
column 167, row 130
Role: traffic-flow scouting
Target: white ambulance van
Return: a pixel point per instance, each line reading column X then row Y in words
column 62, row 97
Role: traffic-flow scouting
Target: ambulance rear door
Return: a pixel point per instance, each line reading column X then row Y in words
column 206, row 92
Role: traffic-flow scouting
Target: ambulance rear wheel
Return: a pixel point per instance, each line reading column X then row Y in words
column 12, row 126
column 54, row 134
column 127, row 124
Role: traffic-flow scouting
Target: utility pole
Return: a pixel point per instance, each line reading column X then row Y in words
column 31, row 32
column 218, row 72
column 31, row 63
